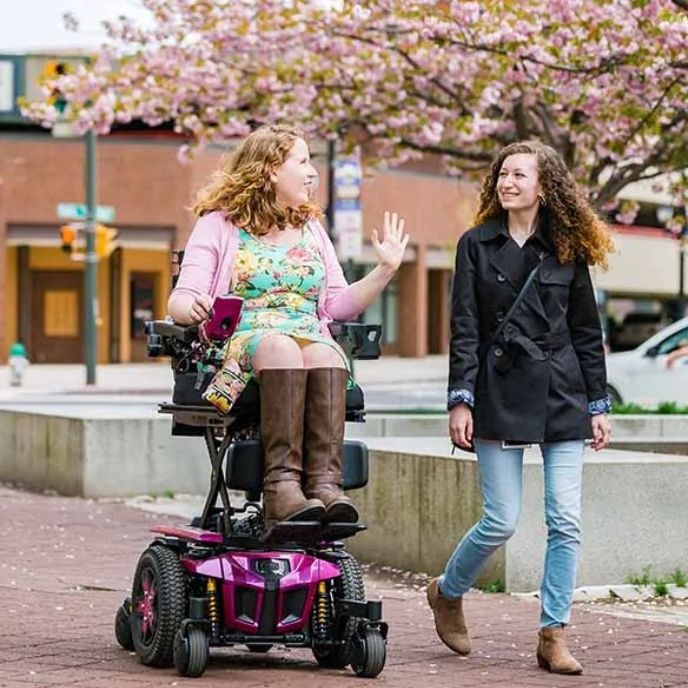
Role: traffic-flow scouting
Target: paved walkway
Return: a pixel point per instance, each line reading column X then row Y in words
column 66, row 564
column 157, row 377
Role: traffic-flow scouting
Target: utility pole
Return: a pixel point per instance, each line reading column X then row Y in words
column 91, row 262
column 331, row 163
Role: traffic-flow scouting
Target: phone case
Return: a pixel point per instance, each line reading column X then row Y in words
column 224, row 318
column 510, row 444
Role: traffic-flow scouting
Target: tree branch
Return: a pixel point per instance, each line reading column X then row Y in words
column 474, row 156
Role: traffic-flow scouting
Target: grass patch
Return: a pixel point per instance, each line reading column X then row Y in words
column 643, row 579
column 661, row 588
column 679, row 579
column 660, row 585
column 670, row 408
column 493, row 586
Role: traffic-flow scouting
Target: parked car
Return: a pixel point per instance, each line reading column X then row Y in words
column 642, row 376
column 635, row 329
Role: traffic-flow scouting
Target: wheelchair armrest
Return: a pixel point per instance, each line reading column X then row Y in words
column 165, row 337
column 360, row 340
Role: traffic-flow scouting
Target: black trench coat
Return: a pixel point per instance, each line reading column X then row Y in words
column 533, row 384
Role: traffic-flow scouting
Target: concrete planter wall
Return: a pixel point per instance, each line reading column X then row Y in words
column 420, row 499
column 100, row 457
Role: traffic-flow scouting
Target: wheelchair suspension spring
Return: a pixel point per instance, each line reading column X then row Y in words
column 322, row 613
column 213, row 611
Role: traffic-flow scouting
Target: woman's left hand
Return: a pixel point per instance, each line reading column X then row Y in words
column 601, row 431
column 390, row 251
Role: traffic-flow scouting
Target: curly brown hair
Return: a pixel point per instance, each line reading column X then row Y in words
column 577, row 232
column 243, row 190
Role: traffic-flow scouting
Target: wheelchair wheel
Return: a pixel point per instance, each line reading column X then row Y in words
column 348, row 586
column 158, row 605
column 123, row 626
column 370, row 653
column 191, row 652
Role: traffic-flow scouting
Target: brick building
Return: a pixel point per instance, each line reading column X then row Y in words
column 139, row 175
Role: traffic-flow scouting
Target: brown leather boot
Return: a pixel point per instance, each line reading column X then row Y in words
column 552, row 653
column 282, row 395
column 324, row 442
column 449, row 621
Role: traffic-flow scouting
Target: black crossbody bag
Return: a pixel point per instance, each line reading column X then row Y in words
column 509, row 314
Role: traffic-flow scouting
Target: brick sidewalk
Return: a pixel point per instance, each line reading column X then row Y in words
column 66, row 564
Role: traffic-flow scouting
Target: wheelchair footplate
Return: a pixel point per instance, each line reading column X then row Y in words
column 309, row 532
column 189, row 534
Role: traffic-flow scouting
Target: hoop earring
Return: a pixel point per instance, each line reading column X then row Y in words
column 543, row 202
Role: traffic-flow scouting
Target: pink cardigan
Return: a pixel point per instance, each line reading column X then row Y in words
column 208, row 266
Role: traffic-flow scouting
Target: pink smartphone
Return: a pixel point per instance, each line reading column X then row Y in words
column 224, row 318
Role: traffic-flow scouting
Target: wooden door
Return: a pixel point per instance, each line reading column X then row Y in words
column 142, row 290
column 57, row 317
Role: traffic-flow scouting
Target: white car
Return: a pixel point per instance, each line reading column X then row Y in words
column 642, row 376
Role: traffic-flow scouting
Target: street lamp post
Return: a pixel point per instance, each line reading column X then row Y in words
column 91, row 261
column 331, row 162
column 63, row 129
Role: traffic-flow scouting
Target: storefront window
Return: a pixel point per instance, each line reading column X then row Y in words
column 384, row 311
column 142, row 304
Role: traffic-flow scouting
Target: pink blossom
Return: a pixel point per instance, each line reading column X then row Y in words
column 602, row 80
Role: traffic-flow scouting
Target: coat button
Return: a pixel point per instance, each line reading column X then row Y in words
column 500, row 316
column 498, row 352
column 500, row 278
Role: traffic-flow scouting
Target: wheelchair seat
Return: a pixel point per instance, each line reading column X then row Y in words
column 246, row 410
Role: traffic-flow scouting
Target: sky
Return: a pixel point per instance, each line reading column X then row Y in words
column 32, row 25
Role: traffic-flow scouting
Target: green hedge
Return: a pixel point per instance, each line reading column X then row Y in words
column 665, row 407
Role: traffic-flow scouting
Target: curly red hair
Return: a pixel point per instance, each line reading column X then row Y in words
column 242, row 187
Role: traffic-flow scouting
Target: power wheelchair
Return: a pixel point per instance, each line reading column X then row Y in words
column 225, row 579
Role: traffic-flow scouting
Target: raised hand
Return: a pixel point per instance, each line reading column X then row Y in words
column 390, row 251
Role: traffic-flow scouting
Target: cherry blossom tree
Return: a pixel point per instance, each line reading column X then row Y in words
column 605, row 82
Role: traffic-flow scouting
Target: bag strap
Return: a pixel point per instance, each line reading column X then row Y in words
column 516, row 303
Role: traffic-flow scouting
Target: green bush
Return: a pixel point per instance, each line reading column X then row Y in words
column 663, row 408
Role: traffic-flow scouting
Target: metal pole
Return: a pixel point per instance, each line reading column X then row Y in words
column 329, row 210
column 91, row 261
column 681, row 302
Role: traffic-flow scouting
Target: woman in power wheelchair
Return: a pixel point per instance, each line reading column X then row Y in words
column 258, row 236
column 262, row 373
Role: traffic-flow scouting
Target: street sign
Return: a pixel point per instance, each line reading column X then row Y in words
column 77, row 211
column 348, row 217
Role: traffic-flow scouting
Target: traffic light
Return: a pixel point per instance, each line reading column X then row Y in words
column 68, row 235
column 53, row 70
column 105, row 240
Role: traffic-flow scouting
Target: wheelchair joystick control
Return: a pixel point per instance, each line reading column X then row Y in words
column 156, row 347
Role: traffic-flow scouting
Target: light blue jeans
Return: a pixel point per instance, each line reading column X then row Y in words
column 501, row 473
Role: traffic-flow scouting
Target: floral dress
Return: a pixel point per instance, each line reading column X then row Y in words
column 280, row 286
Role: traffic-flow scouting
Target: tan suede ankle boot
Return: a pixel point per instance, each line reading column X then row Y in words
column 449, row 621
column 552, row 653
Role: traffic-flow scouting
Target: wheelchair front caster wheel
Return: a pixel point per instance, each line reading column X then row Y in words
column 369, row 653
column 123, row 632
column 191, row 652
